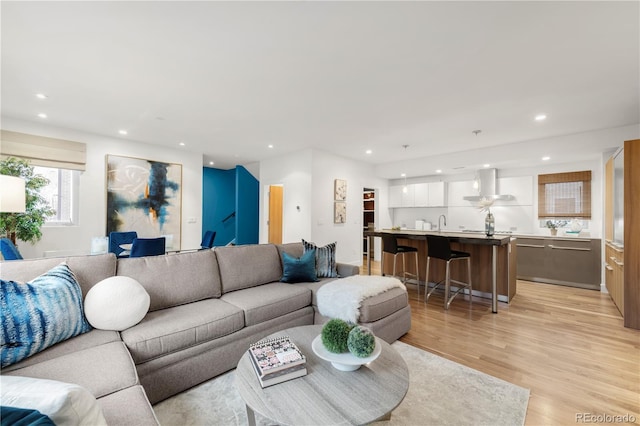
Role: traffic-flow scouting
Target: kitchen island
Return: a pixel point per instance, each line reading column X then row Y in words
column 493, row 260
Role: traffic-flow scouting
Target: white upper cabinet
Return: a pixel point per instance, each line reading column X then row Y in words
column 458, row 190
column 395, row 196
column 520, row 187
column 408, row 196
column 430, row 194
column 436, row 194
column 421, row 195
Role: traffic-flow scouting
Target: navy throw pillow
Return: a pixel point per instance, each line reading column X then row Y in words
column 299, row 269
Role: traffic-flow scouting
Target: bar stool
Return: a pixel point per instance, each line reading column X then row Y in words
column 390, row 246
column 438, row 247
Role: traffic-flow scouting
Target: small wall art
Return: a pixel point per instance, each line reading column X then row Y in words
column 340, row 190
column 144, row 196
column 339, row 212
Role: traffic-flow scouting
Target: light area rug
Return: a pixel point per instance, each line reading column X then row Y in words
column 441, row 392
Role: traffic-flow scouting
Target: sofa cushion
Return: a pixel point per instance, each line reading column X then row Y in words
column 129, row 406
column 173, row 329
column 64, row 403
column 176, row 279
column 40, row 313
column 101, row 370
column 293, row 249
column 382, row 305
column 248, row 266
column 84, row 341
column 269, row 301
column 88, row 270
column 299, row 269
column 116, row 303
column 314, row 287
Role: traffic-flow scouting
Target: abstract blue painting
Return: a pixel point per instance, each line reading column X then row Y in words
column 145, row 196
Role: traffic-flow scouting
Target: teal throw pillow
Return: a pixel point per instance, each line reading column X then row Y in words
column 325, row 259
column 40, row 313
column 299, row 269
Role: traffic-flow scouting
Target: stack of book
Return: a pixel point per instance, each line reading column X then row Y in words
column 277, row 360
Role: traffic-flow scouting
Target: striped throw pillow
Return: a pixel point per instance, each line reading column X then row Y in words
column 40, row 313
column 325, row 259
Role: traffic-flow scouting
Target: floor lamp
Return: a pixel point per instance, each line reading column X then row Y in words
column 12, row 195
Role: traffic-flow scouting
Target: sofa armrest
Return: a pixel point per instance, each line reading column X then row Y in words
column 346, row 270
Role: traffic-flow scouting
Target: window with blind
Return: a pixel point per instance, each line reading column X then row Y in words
column 565, row 195
column 59, row 160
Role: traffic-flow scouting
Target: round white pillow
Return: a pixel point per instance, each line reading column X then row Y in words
column 116, row 303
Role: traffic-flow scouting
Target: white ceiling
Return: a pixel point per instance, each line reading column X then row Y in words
column 230, row 78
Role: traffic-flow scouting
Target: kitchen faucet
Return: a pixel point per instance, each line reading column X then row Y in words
column 445, row 221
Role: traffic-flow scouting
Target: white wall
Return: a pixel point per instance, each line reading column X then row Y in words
column 293, row 172
column 359, row 175
column 308, row 178
column 92, row 215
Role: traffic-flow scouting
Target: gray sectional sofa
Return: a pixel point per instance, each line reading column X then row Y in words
column 206, row 307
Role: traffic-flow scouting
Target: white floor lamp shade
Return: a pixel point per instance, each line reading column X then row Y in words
column 12, row 194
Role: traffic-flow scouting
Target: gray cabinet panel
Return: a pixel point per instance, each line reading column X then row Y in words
column 560, row 261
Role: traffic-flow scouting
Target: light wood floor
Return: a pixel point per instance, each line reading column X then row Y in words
column 568, row 346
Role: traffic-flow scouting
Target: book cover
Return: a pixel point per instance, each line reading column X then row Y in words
column 275, row 355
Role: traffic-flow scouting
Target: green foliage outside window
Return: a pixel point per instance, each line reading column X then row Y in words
column 25, row 226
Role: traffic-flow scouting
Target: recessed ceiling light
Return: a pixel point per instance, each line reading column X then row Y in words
column 42, row 115
column 546, row 158
column 486, row 165
column 181, row 143
column 211, row 163
column 403, row 174
column 438, row 171
column 368, row 152
column 540, row 117
column 270, row 146
column 41, row 96
column 122, row 132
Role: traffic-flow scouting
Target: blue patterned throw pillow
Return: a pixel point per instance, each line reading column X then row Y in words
column 299, row 269
column 325, row 259
column 40, row 313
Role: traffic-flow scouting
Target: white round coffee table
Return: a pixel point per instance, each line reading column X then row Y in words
column 326, row 395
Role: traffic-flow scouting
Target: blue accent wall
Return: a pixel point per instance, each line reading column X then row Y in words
column 230, row 192
column 246, row 207
column 218, row 202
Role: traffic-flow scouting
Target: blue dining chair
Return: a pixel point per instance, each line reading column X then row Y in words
column 9, row 250
column 148, row 247
column 207, row 240
column 116, row 239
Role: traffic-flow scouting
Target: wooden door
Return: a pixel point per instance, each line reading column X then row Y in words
column 275, row 214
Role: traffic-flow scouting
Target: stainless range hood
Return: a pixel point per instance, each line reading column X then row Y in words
column 487, row 187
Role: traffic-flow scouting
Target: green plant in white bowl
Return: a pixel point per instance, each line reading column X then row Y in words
column 361, row 341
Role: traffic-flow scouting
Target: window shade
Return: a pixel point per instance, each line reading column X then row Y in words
column 565, row 195
column 43, row 151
